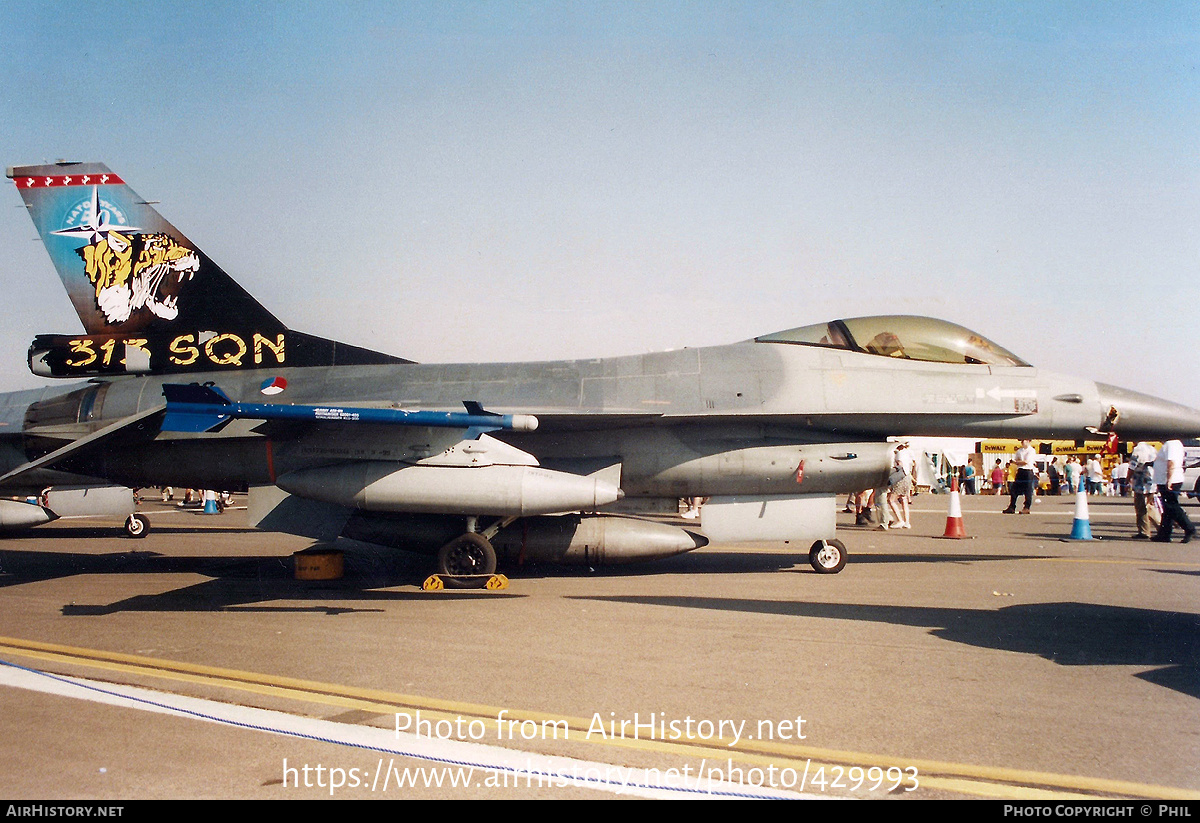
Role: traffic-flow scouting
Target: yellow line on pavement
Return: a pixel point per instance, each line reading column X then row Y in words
column 1114, row 561
column 983, row 781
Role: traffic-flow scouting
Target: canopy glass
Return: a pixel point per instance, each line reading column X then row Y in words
column 902, row 336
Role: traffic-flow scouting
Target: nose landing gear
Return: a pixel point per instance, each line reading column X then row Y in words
column 827, row 556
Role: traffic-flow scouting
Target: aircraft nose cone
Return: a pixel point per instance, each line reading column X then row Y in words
column 1146, row 417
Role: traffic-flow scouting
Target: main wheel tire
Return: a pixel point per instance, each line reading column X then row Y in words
column 137, row 525
column 467, row 561
column 827, row 556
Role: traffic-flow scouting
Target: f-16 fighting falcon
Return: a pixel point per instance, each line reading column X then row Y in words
column 188, row 381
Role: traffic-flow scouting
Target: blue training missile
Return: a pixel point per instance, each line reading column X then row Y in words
column 196, row 408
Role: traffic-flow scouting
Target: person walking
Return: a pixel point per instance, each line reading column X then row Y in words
column 997, row 477
column 1168, row 473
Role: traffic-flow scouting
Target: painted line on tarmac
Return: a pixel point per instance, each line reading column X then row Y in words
column 1060, row 513
column 496, row 765
column 982, row 781
column 1144, row 562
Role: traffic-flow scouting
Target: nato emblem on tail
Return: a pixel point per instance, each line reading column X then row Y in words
column 149, row 300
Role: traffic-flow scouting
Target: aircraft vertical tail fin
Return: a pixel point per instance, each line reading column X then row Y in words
column 149, row 299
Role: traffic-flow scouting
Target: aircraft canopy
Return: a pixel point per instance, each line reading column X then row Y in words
column 903, row 336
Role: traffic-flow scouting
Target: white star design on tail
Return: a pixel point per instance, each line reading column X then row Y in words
column 96, row 227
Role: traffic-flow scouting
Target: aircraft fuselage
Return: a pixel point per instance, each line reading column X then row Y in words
column 733, row 419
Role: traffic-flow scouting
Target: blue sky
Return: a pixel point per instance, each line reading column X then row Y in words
column 518, row 181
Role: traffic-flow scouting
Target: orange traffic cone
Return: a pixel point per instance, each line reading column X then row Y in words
column 954, row 521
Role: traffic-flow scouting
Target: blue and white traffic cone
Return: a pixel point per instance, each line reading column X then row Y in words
column 1081, row 529
column 210, row 502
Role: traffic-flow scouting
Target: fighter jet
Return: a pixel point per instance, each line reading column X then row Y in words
column 190, row 382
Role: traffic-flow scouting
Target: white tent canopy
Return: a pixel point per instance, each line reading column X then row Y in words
column 935, row 453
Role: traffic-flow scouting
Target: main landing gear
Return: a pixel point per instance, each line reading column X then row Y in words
column 469, row 561
column 468, row 555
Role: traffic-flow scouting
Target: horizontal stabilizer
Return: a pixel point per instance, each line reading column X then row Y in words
column 195, row 408
column 84, row 445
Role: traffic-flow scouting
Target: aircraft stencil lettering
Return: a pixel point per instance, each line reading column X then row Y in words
column 518, row 461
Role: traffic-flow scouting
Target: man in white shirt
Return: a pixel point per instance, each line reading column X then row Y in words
column 1120, row 478
column 1168, row 473
column 1026, row 476
column 1095, row 475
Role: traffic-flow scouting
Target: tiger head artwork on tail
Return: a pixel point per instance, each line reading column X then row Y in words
column 138, row 272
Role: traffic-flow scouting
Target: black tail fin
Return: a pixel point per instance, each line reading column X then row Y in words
column 149, row 300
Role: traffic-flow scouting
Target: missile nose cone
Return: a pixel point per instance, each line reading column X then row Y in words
column 524, row 422
column 1145, row 417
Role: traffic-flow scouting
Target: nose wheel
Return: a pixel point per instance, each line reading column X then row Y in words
column 137, row 525
column 827, row 556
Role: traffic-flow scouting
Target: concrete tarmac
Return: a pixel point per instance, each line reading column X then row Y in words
column 1013, row 664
